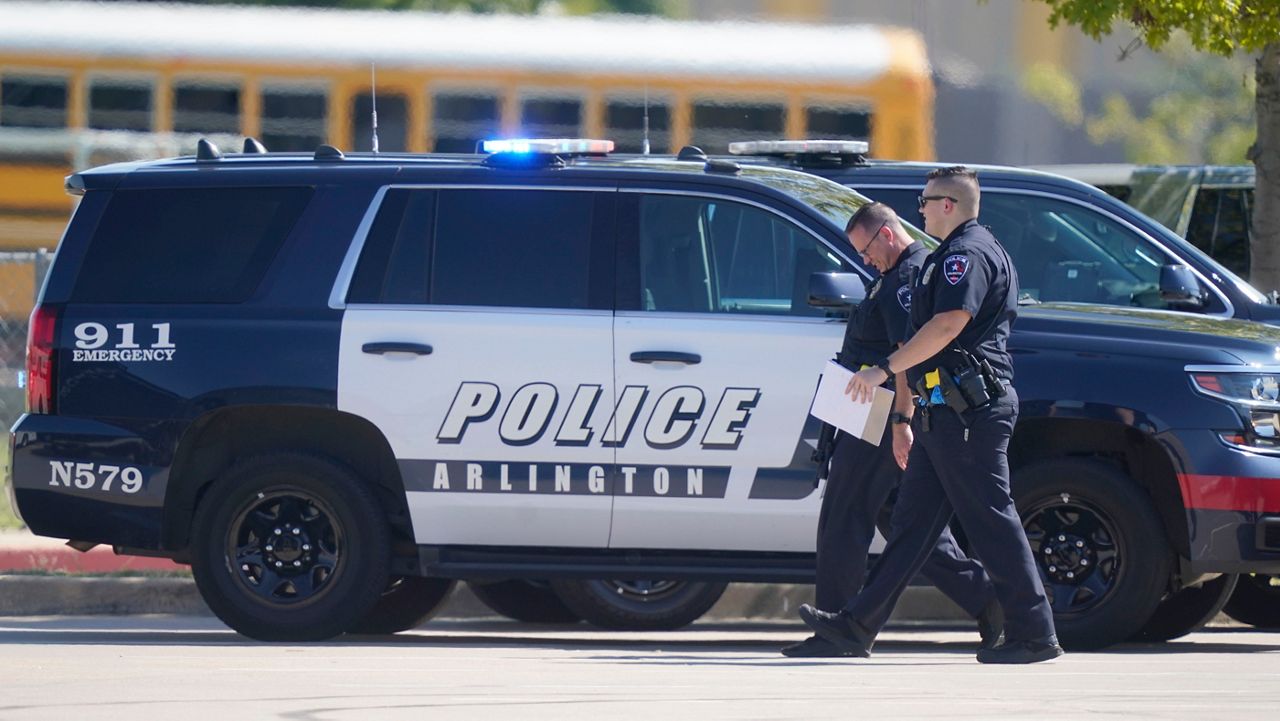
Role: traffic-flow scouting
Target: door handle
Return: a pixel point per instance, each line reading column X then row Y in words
column 396, row 347
column 665, row 356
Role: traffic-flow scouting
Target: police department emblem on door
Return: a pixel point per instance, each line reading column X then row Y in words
column 954, row 268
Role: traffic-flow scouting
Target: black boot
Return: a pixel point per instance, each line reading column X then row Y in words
column 1041, row 649
column 840, row 629
column 813, row 647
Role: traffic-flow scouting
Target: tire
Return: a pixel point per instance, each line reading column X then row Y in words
column 290, row 547
column 639, row 605
column 1099, row 547
column 407, row 603
column 1187, row 610
column 521, row 600
column 1256, row 600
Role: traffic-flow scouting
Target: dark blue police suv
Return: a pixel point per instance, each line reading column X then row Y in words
column 337, row 384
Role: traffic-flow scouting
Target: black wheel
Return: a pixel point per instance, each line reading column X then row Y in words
column 1256, row 601
column 407, row 603
column 1188, row 610
column 522, row 600
column 639, row 605
column 290, row 547
column 1099, row 546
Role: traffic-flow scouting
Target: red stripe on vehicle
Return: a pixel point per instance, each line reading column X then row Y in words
column 1231, row 493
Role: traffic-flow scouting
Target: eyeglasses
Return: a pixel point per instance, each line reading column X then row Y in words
column 871, row 242
column 924, row 199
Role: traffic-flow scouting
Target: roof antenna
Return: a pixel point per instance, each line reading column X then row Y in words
column 644, row 146
column 373, row 89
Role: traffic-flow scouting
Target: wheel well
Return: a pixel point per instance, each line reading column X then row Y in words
column 217, row 440
column 1132, row 451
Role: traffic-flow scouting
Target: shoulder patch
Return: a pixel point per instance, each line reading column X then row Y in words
column 955, row 267
column 904, row 297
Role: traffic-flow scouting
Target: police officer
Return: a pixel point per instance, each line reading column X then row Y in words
column 963, row 304
column 862, row 476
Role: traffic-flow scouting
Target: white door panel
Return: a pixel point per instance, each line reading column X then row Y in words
column 497, row 431
column 740, row 419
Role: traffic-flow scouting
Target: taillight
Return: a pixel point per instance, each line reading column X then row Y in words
column 40, row 360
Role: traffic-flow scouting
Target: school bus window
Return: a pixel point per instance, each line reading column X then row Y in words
column 393, row 122
column 293, row 118
column 716, row 123
column 837, row 123
column 206, row 106
column 624, row 124
column 116, row 104
column 33, row 101
column 460, row 120
column 549, row 117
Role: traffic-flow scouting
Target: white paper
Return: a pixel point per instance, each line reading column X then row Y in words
column 831, row 404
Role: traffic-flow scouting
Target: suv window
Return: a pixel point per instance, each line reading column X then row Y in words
column 704, row 255
column 1220, row 225
column 1063, row 252
column 483, row 247
column 186, row 245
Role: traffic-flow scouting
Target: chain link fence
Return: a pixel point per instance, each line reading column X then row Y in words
column 21, row 275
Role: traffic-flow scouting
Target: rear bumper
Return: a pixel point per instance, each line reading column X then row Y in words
column 88, row 481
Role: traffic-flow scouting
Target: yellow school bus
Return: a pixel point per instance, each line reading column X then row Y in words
column 84, row 83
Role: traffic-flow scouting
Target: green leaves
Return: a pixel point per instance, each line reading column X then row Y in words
column 1222, row 27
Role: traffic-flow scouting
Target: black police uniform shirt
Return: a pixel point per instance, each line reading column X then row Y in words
column 969, row 271
column 879, row 323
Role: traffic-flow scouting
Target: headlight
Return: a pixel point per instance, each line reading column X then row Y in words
column 1256, row 395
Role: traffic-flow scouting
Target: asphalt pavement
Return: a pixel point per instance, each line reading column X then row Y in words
column 190, row 667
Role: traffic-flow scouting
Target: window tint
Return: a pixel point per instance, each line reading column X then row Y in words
column 512, row 248
column 837, row 122
column 491, row 247
column 116, row 104
column 550, row 118
column 198, row 245
column 393, row 122
column 715, row 256
column 293, row 118
column 1220, row 226
column 624, row 124
column 460, row 120
column 33, row 102
column 716, row 123
column 1065, row 252
column 206, row 106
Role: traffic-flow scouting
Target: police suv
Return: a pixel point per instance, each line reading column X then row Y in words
column 335, row 384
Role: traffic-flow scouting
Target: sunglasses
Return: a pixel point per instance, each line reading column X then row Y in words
column 924, row 199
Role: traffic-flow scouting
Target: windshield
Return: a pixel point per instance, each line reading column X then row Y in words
column 837, row 202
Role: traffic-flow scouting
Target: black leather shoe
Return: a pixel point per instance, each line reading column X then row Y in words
column 838, row 628
column 991, row 625
column 813, row 647
column 1044, row 649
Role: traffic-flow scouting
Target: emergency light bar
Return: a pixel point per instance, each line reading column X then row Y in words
column 548, row 146
column 800, row 147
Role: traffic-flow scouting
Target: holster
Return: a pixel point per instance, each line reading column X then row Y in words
column 822, row 452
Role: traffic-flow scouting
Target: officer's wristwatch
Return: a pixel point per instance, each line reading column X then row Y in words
column 884, row 366
column 897, row 417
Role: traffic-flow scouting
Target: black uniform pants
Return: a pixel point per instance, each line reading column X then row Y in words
column 857, row 500
column 947, row 474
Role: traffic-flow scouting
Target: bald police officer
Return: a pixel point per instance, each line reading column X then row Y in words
column 862, row 477
column 963, row 305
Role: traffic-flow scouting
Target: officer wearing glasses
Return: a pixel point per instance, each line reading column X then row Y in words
column 963, row 305
column 862, row 477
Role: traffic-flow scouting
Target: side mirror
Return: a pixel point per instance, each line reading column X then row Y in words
column 835, row 290
column 1179, row 286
